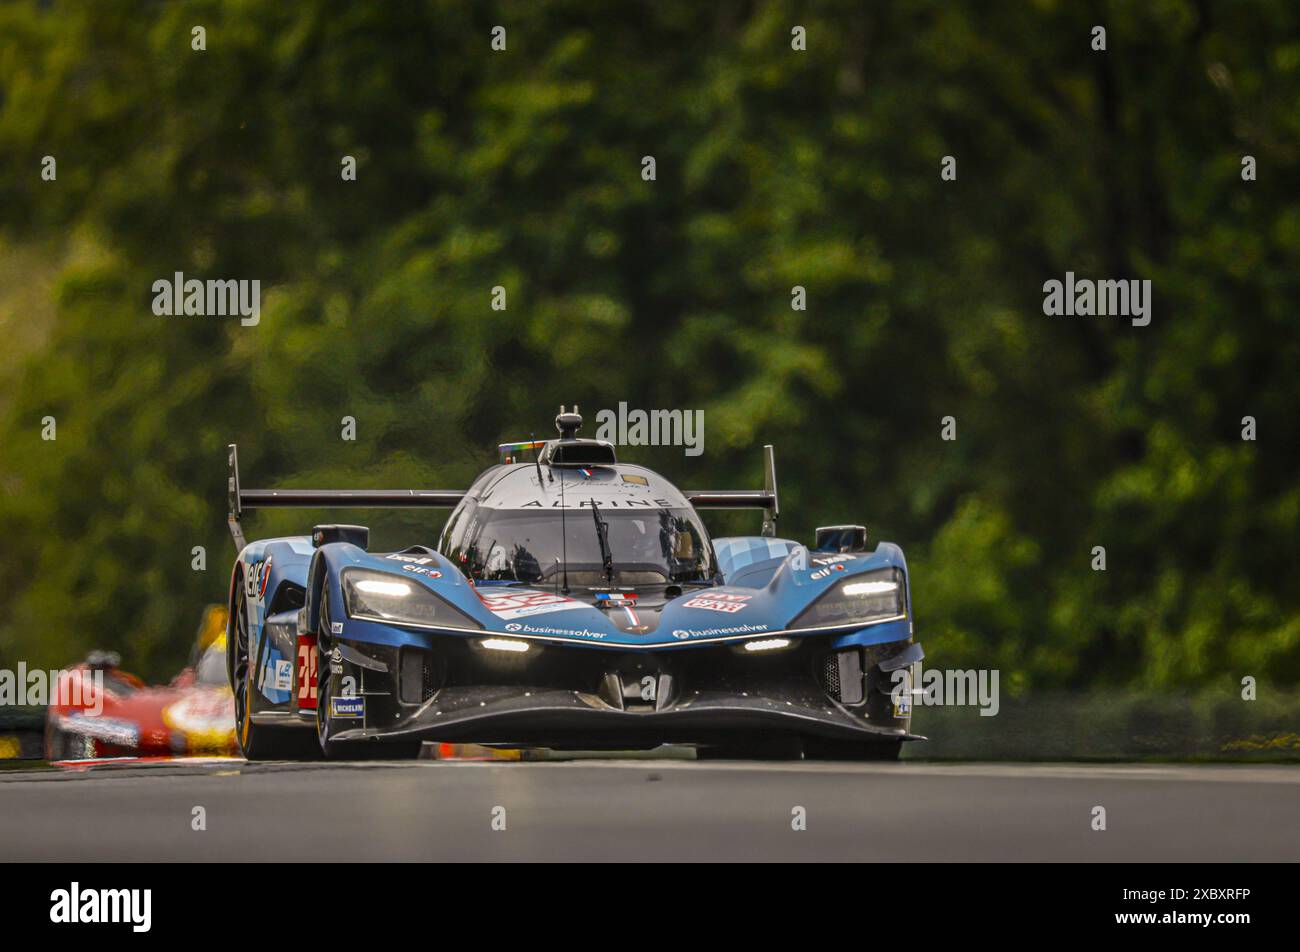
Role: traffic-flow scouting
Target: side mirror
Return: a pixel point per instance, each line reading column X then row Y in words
column 357, row 535
column 841, row 539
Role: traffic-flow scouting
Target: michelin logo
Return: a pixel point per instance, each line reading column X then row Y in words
column 348, row 706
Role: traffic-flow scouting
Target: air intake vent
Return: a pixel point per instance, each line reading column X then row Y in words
column 830, row 676
column 420, row 676
column 840, row 674
column 429, row 682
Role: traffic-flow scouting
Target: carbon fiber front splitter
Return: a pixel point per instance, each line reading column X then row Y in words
column 510, row 716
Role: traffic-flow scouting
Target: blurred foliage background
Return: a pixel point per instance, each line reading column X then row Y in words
column 775, row 168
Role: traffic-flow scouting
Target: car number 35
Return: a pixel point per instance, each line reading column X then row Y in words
column 307, row 672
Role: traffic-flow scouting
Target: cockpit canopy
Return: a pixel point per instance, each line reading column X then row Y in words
column 647, row 547
column 534, row 524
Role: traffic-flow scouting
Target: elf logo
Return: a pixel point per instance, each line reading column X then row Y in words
column 822, row 573
column 77, row 905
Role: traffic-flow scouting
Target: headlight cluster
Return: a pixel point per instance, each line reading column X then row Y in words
column 378, row 596
column 858, row 599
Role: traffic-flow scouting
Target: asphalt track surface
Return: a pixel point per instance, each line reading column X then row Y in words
column 650, row 810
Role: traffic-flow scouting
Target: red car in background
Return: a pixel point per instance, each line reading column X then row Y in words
column 194, row 715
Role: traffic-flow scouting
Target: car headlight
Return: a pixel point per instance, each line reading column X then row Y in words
column 858, row 599
column 378, row 596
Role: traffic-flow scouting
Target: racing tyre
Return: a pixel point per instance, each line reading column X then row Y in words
column 61, row 745
column 347, row 750
column 821, row 748
column 257, row 741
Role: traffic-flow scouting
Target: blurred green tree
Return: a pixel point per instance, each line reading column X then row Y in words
column 775, row 168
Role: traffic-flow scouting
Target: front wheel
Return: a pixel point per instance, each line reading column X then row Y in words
column 325, row 727
column 61, row 745
column 257, row 741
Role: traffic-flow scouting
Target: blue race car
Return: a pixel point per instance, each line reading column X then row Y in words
column 572, row 602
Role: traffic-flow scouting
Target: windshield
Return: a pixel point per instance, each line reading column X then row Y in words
column 649, row 547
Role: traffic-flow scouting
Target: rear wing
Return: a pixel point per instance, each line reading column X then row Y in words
column 765, row 498
column 239, row 499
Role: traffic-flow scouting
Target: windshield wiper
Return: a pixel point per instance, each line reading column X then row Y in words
column 602, row 533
